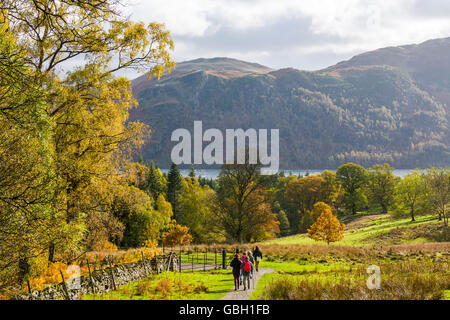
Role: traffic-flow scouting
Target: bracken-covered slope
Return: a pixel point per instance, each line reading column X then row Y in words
column 367, row 110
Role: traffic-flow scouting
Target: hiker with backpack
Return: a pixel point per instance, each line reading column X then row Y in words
column 246, row 270
column 237, row 265
column 242, row 260
column 257, row 254
column 252, row 260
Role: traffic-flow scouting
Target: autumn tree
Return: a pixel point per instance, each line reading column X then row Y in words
column 136, row 174
column 143, row 217
column 26, row 165
column 353, row 179
column 196, row 204
column 178, row 236
column 381, row 184
column 91, row 138
column 318, row 208
column 327, row 228
column 305, row 192
column 310, row 216
column 241, row 206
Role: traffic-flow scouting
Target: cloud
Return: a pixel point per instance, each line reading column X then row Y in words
column 306, row 34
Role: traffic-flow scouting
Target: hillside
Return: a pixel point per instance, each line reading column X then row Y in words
column 426, row 63
column 385, row 106
column 378, row 229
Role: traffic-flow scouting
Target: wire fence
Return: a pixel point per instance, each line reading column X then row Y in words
column 203, row 259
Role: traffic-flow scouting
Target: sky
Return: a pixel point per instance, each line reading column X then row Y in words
column 303, row 34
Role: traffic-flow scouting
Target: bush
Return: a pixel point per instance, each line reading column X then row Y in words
column 402, row 281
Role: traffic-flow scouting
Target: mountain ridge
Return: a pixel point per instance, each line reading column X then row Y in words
column 356, row 110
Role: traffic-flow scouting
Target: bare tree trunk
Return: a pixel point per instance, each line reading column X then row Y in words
column 24, row 269
column 51, row 252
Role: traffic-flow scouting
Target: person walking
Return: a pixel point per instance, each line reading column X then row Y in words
column 242, row 260
column 252, row 260
column 236, row 264
column 257, row 254
column 246, row 270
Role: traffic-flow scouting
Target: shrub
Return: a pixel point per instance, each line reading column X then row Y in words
column 164, row 286
column 403, row 281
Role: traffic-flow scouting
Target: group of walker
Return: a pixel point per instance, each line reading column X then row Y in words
column 243, row 267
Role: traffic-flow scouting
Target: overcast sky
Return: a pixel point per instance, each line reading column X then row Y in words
column 304, row 34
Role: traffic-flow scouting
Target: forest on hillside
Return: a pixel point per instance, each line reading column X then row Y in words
column 366, row 115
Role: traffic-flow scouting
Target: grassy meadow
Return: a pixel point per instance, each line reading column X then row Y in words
column 412, row 267
column 375, row 229
column 198, row 285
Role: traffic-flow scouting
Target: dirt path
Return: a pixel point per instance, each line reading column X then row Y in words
column 245, row 295
column 186, row 266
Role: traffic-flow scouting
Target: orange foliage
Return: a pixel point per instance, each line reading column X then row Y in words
column 178, row 236
column 105, row 246
column 51, row 275
column 318, row 208
column 327, row 228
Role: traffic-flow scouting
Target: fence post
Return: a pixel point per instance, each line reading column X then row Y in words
column 215, row 258
column 143, row 264
column 112, row 276
column 204, row 259
column 224, row 258
column 192, row 261
column 170, row 264
column 64, row 286
column 29, row 287
column 90, row 276
column 179, row 263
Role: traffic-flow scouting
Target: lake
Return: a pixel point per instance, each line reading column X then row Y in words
column 214, row 173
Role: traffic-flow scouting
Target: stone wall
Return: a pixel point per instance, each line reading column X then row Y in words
column 105, row 280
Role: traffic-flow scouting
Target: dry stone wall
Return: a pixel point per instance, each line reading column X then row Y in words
column 105, row 280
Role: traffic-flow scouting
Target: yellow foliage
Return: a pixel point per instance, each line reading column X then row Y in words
column 178, row 236
column 151, row 249
column 104, row 246
column 318, row 208
column 327, row 228
column 51, row 275
column 164, row 286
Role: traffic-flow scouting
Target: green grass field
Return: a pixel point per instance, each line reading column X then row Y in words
column 416, row 278
column 198, row 285
column 305, row 269
column 372, row 229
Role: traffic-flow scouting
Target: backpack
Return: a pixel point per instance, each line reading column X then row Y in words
column 247, row 266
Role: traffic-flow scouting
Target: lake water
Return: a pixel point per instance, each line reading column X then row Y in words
column 214, row 173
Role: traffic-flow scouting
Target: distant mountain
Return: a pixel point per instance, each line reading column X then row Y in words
column 428, row 64
column 389, row 105
column 220, row 67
